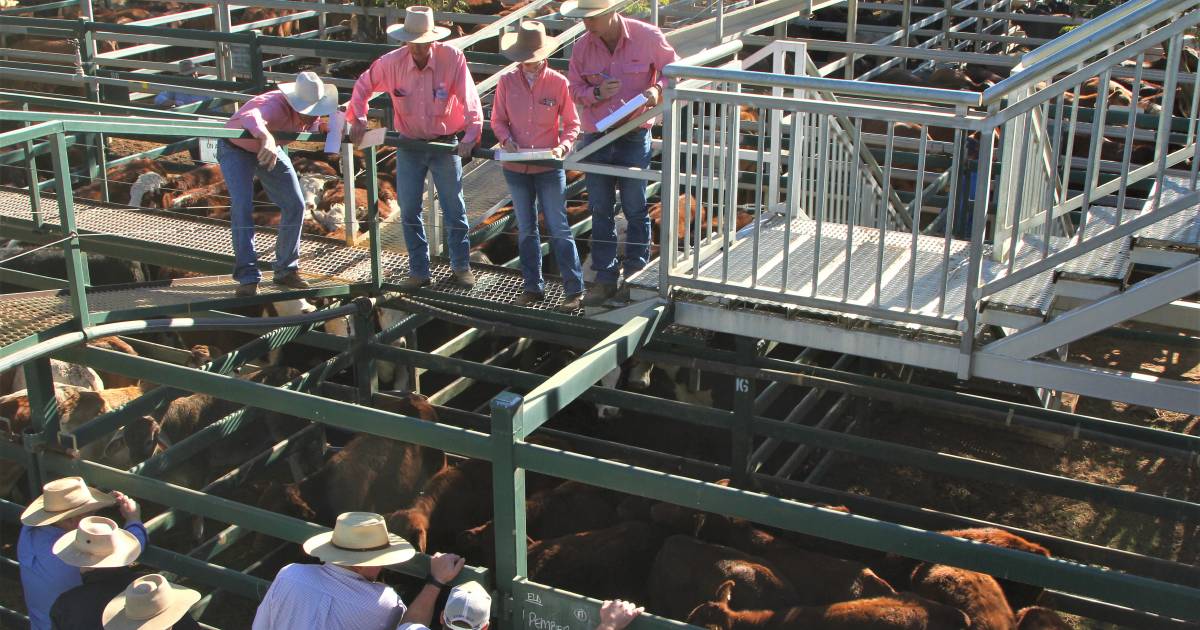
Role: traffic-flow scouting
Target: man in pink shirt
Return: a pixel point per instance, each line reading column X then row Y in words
column 533, row 110
column 617, row 59
column 295, row 107
column 434, row 98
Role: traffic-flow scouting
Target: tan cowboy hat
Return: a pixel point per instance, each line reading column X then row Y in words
column 97, row 544
column 64, row 498
column 587, row 8
column 310, row 96
column 359, row 539
column 528, row 43
column 418, row 27
column 148, row 603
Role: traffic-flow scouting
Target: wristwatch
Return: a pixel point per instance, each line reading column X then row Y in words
column 596, row 92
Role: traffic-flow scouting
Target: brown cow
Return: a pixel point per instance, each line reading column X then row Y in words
column 898, row 612
column 976, row 594
column 606, row 563
column 568, row 508
column 369, row 474
column 1039, row 618
column 1019, row 595
column 453, row 500
column 686, row 571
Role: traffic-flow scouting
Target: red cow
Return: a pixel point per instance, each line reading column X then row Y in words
column 899, row 612
column 976, row 594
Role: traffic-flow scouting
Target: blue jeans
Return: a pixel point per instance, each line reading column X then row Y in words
column 240, row 168
column 631, row 149
column 548, row 189
column 411, row 167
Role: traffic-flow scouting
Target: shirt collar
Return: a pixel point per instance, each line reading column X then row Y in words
column 343, row 572
column 429, row 65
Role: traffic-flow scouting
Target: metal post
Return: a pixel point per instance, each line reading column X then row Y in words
column 224, row 22
column 43, row 406
column 31, row 175
column 364, row 363
column 508, row 488
column 851, row 35
column 670, row 190
column 742, row 438
column 372, row 175
column 348, row 186
column 256, row 61
column 654, row 12
column 720, row 21
column 76, row 261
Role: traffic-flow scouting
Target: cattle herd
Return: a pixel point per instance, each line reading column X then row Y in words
column 710, row 570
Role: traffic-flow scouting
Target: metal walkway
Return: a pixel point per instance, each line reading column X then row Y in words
column 327, row 261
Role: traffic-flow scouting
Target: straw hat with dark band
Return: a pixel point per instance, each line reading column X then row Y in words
column 418, row 27
column 64, row 498
column 97, row 544
column 528, row 43
column 359, row 539
column 587, row 8
column 149, row 603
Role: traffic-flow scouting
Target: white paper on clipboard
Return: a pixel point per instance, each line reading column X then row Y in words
column 373, row 137
column 337, row 126
column 621, row 113
column 525, row 155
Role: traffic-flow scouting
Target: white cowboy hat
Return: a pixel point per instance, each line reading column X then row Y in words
column 148, row 603
column 528, row 43
column 64, row 498
column 310, row 96
column 587, row 8
column 418, row 27
column 97, row 544
column 359, row 539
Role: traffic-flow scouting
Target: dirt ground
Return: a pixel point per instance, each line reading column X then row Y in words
column 1076, row 459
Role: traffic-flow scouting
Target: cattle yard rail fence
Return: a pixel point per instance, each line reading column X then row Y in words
column 922, row 207
column 503, row 435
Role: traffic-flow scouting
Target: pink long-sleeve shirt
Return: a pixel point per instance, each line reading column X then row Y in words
column 636, row 62
column 437, row 100
column 269, row 112
column 541, row 116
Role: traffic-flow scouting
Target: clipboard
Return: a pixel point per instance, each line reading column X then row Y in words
column 525, row 155
column 337, row 126
column 373, row 137
column 621, row 112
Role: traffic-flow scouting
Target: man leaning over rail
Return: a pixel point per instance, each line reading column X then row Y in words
column 295, row 107
column 64, row 502
column 345, row 593
column 615, row 61
column 533, row 110
column 435, row 100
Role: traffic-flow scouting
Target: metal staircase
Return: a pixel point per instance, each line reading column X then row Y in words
column 1028, row 251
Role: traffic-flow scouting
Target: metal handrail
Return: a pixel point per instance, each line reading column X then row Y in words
column 1080, row 43
column 841, row 86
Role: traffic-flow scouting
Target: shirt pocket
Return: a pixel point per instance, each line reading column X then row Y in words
column 636, row 72
column 406, row 104
column 441, row 107
column 545, row 113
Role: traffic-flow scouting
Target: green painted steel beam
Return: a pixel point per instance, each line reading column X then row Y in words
column 32, row 280
column 33, row 132
column 98, row 107
column 1127, row 590
column 555, row 393
column 508, row 496
column 526, row 381
column 333, row 413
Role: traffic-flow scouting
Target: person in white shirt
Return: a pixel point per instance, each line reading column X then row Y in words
column 343, row 593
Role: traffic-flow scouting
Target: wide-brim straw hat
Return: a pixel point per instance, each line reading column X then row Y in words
column 359, row 539
column 418, row 27
column 64, row 498
column 587, row 8
column 148, row 603
column 310, row 96
column 97, row 544
column 528, row 43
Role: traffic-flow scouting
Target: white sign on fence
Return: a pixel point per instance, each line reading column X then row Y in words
column 208, row 149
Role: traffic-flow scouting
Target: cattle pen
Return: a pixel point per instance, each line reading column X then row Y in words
column 842, row 254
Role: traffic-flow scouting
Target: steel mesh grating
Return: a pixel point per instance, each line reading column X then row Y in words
column 330, row 260
column 1180, row 230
